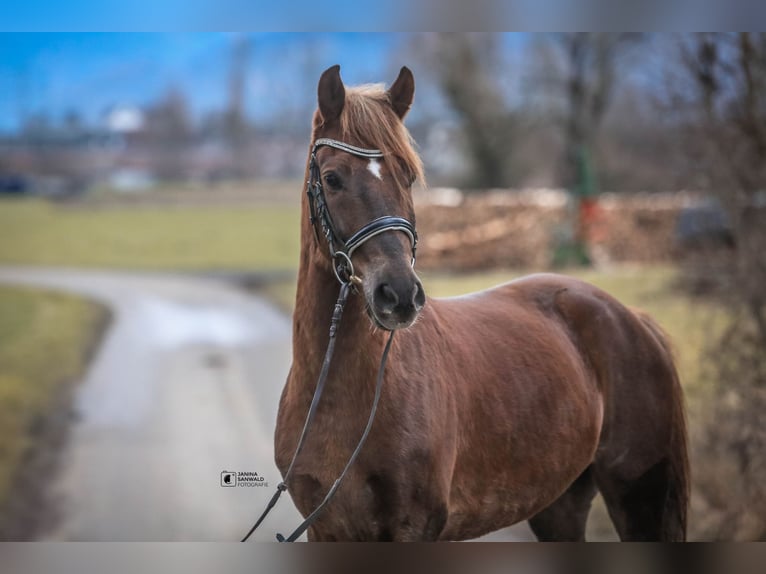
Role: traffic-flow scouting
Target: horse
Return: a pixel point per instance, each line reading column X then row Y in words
column 515, row 403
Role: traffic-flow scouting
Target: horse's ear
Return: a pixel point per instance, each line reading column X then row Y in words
column 331, row 94
column 402, row 92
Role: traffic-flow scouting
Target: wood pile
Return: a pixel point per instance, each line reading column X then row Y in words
column 521, row 229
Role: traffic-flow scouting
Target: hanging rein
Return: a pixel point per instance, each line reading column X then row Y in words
column 341, row 252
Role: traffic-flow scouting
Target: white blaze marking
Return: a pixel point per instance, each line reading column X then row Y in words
column 374, row 168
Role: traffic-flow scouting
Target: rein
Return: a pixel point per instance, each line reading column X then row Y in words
column 340, row 252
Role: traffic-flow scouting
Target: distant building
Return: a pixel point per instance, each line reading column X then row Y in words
column 124, row 120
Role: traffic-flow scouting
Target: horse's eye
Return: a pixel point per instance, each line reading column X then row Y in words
column 332, row 180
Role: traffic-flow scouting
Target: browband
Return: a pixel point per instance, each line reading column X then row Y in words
column 352, row 149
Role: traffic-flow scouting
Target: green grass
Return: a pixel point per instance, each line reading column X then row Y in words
column 44, row 343
column 35, row 232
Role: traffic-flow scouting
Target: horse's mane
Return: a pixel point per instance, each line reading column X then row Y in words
column 369, row 120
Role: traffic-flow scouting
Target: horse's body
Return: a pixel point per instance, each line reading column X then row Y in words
column 510, row 404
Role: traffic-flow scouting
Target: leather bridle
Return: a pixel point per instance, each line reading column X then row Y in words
column 341, row 250
column 340, row 253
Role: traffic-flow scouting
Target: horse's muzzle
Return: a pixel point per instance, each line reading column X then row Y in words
column 396, row 302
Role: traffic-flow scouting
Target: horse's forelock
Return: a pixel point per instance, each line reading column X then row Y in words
column 369, row 120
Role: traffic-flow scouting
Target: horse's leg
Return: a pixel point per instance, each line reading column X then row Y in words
column 643, row 469
column 642, row 508
column 565, row 519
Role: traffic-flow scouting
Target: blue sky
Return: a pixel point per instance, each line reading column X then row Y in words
column 334, row 15
column 198, row 15
column 90, row 72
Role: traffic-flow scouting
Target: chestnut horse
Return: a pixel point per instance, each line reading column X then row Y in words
column 515, row 403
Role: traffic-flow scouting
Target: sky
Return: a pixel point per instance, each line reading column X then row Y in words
column 89, row 72
column 335, row 15
column 200, row 15
column 56, row 73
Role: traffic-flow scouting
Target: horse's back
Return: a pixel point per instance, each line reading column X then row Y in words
column 592, row 319
column 539, row 292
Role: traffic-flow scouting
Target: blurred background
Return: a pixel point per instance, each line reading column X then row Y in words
column 149, row 211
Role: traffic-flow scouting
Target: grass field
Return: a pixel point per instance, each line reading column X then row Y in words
column 35, row 232
column 45, row 339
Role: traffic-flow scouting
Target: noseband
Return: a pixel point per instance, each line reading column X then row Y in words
column 342, row 250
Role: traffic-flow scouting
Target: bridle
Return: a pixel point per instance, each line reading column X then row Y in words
column 340, row 253
column 342, row 250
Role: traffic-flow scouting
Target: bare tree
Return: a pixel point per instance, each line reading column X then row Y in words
column 467, row 69
column 168, row 135
column 589, row 86
column 589, row 80
column 724, row 106
column 236, row 128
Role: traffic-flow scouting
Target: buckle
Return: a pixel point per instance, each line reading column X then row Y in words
column 345, row 267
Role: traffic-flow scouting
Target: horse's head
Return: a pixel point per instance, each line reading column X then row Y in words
column 359, row 188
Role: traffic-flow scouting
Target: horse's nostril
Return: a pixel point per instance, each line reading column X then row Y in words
column 420, row 296
column 386, row 297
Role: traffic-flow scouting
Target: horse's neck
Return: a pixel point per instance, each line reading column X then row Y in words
column 357, row 343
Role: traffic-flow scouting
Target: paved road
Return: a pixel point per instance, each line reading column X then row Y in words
column 185, row 385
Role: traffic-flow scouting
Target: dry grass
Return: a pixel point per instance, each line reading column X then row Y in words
column 45, row 339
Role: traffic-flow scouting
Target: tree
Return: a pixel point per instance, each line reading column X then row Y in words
column 169, row 135
column 236, row 129
column 467, row 69
column 589, row 79
column 723, row 105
